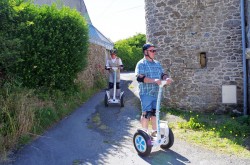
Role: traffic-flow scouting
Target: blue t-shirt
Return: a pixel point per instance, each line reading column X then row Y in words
column 152, row 70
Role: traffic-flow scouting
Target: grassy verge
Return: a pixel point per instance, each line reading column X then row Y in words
column 25, row 113
column 220, row 133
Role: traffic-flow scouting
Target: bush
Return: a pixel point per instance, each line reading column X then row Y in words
column 130, row 50
column 10, row 45
column 54, row 45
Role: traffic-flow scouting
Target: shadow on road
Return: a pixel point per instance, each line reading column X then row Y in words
column 166, row 157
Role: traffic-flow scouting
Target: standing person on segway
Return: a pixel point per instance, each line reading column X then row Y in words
column 149, row 73
column 114, row 62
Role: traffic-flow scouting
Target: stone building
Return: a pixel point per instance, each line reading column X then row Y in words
column 200, row 41
column 99, row 44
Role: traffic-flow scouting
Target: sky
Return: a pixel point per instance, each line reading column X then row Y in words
column 117, row 19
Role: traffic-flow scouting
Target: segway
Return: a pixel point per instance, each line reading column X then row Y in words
column 113, row 99
column 143, row 142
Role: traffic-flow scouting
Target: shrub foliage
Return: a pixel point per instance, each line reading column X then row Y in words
column 53, row 44
column 130, row 50
column 10, row 44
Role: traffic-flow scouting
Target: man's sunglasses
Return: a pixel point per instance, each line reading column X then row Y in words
column 152, row 51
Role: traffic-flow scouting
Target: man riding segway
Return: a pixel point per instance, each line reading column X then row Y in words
column 114, row 65
column 151, row 79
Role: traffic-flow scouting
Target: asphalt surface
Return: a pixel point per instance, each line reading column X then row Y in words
column 95, row 134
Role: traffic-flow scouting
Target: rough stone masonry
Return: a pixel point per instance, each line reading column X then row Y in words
column 200, row 42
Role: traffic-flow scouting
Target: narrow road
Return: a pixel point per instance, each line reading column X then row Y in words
column 95, row 134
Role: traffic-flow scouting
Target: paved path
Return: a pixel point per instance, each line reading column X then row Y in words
column 95, row 134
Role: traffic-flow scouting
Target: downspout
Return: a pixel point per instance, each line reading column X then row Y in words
column 243, row 33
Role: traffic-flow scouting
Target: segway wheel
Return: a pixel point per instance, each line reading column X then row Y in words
column 106, row 101
column 142, row 144
column 122, row 101
column 170, row 140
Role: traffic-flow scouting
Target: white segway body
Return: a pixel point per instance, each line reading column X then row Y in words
column 113, row 99
column 143, row 142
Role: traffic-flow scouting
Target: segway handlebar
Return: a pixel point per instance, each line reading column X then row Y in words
column 114, row 68
column 164, row 82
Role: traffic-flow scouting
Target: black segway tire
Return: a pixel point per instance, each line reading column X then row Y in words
column 106, row 101
column 122, row 101
column 170, row 140
column 142, row 143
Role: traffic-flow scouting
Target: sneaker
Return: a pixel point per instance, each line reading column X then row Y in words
column 154, row 134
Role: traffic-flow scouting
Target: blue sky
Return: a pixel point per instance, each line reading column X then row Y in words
column 117, row 19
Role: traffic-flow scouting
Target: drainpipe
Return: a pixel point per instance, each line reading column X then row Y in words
column 247, row 14
column 243, row 33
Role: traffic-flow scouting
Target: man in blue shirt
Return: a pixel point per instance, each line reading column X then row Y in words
column 149, row 73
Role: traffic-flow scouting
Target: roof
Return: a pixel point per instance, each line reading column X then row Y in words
column 98, row 38
column 95, row 36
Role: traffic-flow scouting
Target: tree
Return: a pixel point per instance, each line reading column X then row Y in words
column 130, row 50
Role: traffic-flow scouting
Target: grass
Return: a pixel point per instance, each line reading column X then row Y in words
column 96, row 122
column 16, row 116
column 220, row 133
column 25, row 113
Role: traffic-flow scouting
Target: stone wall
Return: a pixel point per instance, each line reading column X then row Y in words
column 96, row 64
column 185, row 31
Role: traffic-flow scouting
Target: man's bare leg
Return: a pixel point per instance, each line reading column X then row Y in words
column 144, row 122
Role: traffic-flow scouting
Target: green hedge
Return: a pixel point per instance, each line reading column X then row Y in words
column 10, row 46
column 54, row 45
column 130, row 50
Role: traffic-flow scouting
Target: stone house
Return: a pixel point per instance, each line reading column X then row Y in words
column 99, row 45
column 200, row 41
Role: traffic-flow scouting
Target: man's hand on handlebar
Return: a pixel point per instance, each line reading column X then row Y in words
column 169, row 81
column 166, row 82
column 157, row 81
